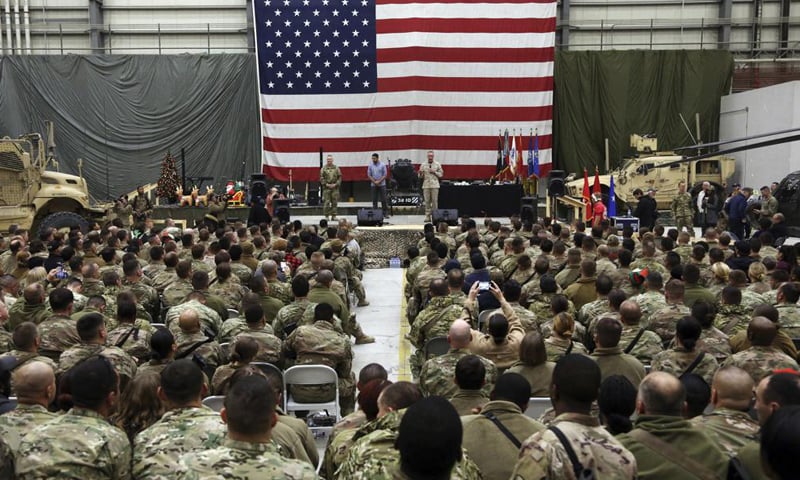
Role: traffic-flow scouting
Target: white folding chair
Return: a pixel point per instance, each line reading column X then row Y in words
column 310, row 375
column 159, row 325
column 214, row 402
column 537, row 406
column 233, row 313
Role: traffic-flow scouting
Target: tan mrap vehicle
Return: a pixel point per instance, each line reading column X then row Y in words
column 33, row 197
column 661, row 171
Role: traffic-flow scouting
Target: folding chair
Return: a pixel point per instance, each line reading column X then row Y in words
column 483, row 319
column 270, row 369
column 226, row 352
column 233, row 313
column 13, row 402
column 159, row 325
column 537, row 406
column 214, row 402
column 310, row 375
column 436, row 347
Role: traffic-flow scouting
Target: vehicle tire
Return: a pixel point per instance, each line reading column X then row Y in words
column 61, row 220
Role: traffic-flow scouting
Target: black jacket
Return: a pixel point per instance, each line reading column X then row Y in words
column 646, row 212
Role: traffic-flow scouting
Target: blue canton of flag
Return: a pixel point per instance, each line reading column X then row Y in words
column 316, row 46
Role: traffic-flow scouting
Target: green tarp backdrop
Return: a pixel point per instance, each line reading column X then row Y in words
column 613, row 94
column 122, row 113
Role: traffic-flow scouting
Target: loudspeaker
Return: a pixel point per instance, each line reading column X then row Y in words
column 527, row 210
column 258, row 187
column 449, row 215
column 313, row 198
column 280, row 206
column 370, row 217
column 555, row 187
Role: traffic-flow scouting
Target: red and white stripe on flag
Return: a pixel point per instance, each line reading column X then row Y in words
column 450, row 75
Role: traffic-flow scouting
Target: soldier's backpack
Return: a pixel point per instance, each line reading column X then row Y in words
column 581, row 472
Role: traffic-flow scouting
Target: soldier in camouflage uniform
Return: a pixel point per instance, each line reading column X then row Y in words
column 351, row 272
column 209, row 319
column 280, row 290
column 732, row 317
column 167, row 276
column 590, row 312
column 761, row 359
column 789, row 313
column 186, row 427
column 577, row 380
column 227, row 286
column 373, row 455
column 572, row 270
column 651, row 300
column 58, row 332
column 436, row 375
column 31, row 307
column 729, row 424
column 132, row 334
column 678, row 360
column 269, row 346
column 80, row 443
column 431, row 271
column 298, row 312
column 321, row 344
column 648, row 344
column 663, row 321
column 26, row 340
column 330, row 179
column 155, row 265
column 92, row 285
column 175, row 292
column 322, row 293
column 92, row 331
column 247, row 452
column 192, row 340
column 682, row 210
column 434, row 321
column 35, row 383
column 146, row 295
column 240, row 270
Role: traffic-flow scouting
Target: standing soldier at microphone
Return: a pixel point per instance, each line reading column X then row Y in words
column 431, row 173
column 330, row 177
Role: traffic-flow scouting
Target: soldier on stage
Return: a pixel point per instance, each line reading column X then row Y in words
column 682, row 211
column 330, row 177
column 431, row 172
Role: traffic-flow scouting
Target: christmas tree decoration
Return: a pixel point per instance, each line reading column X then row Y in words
column 168, row 182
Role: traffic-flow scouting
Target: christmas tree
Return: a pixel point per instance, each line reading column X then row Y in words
column 168, row 183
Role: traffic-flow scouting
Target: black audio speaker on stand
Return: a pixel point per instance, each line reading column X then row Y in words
column 527, row 210
column 555, row 186
column 370, row 217
column 281, row 208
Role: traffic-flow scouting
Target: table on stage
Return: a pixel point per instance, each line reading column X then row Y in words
column 501, row 200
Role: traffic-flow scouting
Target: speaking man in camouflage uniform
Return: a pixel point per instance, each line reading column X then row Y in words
column 431, row 172
column 436, row 376
column 761, row 358
column 330, row 179
column 92, row 332
column 730, row 424
column 186, row 427
column 433, row 321
column 682, row 210
column 575, row 385
column 35, row 384
column 321, row 344
column 247, row 452
column 81, row 443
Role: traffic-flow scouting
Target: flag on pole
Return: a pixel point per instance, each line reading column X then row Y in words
column 536, row 154
column 400, row 77
column 612, row 201
column 596, row 187
column 499, row 166
column 506, row 148
column 587, row 200
column 520, row 172
column 512, row 156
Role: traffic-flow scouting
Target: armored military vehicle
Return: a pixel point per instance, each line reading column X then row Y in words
column 661, row 171
column 35, row 198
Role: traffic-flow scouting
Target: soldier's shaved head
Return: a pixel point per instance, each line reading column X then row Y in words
column 460, row 334
column 732, row 388
column 189, row 321
column 630, row 312
column 325, row 277
column 33, row 294
column 661, row 393
column 34, row 382
column 761, row 332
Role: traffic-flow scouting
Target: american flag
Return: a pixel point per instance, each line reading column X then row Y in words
column 401, row 77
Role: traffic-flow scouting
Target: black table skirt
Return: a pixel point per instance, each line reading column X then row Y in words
column 482, row 200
